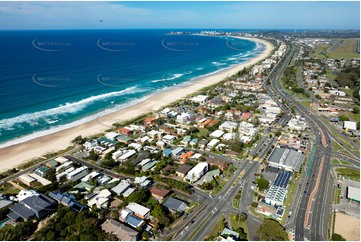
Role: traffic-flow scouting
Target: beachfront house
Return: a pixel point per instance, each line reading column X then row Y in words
column 201, row 99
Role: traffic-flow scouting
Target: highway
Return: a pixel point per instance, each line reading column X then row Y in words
column 320, row 207
column 213, row 209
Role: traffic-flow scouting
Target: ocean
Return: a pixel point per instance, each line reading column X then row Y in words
column 51, row 80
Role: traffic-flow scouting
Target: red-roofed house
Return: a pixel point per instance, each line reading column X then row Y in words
column 185, row 156
column 149, row 121
column 125, row 131
column 159, row 193
column 246, row 116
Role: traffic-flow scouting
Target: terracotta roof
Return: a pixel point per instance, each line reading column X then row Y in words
column 149, row 120
column 160, row 192
column 246, row 115
column 124, row 130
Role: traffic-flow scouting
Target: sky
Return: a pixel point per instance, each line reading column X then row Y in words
column 179, row 15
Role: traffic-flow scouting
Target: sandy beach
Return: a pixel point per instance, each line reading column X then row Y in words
column 14, row 155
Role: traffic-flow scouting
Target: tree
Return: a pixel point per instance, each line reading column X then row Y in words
column 254, row 204
column 242, row 234
column 356, row 110
column 243, row 217
column 272, row 230
column 337, row 237
column 278, row 133
column 78, row 140
column 138, row 196
column 262, row 183
column 343, row 118
column 236, row 146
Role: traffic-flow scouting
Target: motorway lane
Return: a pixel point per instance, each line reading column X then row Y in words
column 313, row 122
column 217, row 202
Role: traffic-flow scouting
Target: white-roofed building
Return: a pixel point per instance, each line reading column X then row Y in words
column 100, row 200
column 353, row 193
column 121, row 187
column 61, row 159
column 135, row 146
column 228, row 126
column 201, row 99
column 77, row 173
column 197, row 172
column 169, row 139
column 349, row 125
column 217, row 134
column 213, row 143
column 111, row 135
column 138, row 210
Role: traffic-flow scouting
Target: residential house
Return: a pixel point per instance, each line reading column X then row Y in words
column 196, row 172
column 185, row 156
column 202, row 144
column 138, row 210
column 228, row 126
column 42, row 171
column 177, row 152
column 34, row 204
column 125, row 131
column 77, row 173
column 27, row 180
column 186, row 140
column 169, row 139
column 67, row 200
column 183, row 170
column 216, row 134
column 111, row 136
column 52, row 164
column 100, row 200
column 159, row 193
column 121, row 187
column 121, row 231
column 212, row 143
column 175, row 205
column 149, row 121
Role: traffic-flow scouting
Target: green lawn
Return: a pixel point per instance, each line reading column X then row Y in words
column 8, row 189
column 353, row 117
column 346, row 50
column 235, row 224
column 305, row 104
column 198, row 228
column 217, row 230
column 348, row 91
column 337, row 134
column 289, row 199
column 351, row 173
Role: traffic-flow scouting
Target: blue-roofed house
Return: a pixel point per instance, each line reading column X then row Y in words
column 134, row 221
column 167, row 152
column 193, row 142
column 37, row 205
column 67, row 200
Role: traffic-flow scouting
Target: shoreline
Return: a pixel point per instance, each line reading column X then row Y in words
column 14, row 155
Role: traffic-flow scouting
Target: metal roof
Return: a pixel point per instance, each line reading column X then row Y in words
column 353, row 193
column 175, row 204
